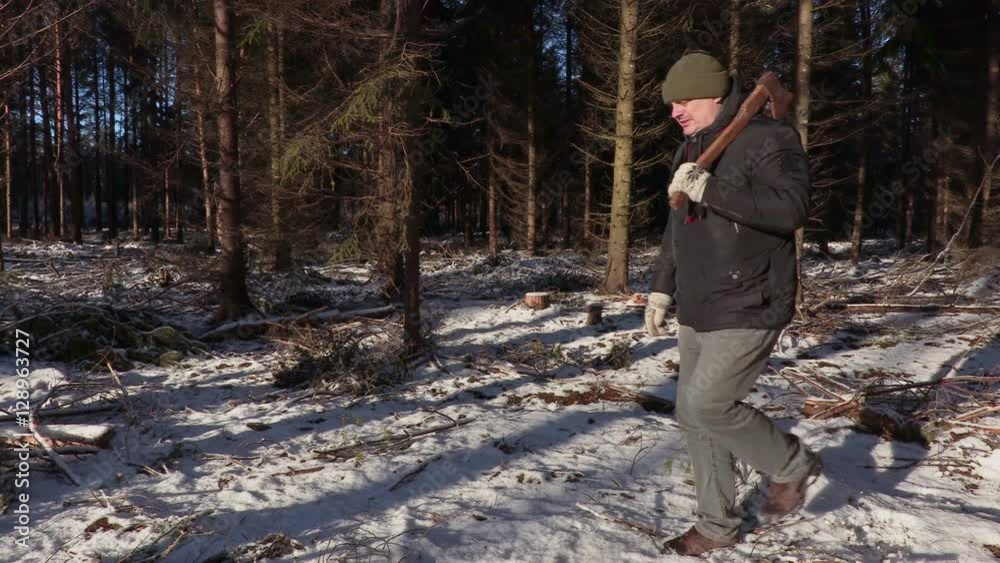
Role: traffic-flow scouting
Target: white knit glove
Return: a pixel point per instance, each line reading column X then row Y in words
column 656, row 313
column 690, row 179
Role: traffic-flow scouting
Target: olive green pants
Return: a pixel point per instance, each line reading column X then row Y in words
column 717, row 371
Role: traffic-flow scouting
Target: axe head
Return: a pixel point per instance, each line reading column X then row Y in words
column 781, row 100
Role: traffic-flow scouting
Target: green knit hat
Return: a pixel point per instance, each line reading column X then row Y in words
column 696, row 75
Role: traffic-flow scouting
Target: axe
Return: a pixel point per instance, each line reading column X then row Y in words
column 768, row 88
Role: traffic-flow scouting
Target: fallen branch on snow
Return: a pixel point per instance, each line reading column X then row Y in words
column 98, row 435
column 319, row 315
column 395, row 440
column 60, row 412
column 65, row 450
column 908, row 308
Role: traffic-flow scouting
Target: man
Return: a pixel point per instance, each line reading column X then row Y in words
column 728, row 262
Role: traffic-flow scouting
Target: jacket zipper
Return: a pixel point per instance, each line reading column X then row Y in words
column 735, row 226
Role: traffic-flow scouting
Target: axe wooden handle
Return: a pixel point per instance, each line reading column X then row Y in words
column 755, row 101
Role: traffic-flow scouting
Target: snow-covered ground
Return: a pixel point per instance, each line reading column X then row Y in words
column 525, row 476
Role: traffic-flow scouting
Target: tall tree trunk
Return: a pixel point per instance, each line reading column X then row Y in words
column 866, row 87
column 279, row 224
column 133, row 144
column 587, row 241
column 934, row 211
column 532, row 198
column 903, row 223
column 74, row 160
column 109, row 156
column 945, row 191
column 564, row 188
column 468, row 220
column 177, row 185
column 908, row 216
column 206, row 185
column 412, row 226
column 58, row 220
column 28, row 189
column 616, row 279
column 991, row 118
column 49, row 215
column 8, row 172
column 98, row 200
column 491, row 208
column 280, row 33
column 388, row 231
column 167, row 211
column 734, row 35
column 33, row 153
column 234, row 299
column 412, row 12
column 802, row 85
column 150, row 152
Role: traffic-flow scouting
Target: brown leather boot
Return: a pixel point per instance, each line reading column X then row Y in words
column 693, row 543
column 785, row 498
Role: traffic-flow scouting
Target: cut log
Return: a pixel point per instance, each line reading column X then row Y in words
column 594, row 312
column 537, row 299
column 99, row 435
column 50, row 451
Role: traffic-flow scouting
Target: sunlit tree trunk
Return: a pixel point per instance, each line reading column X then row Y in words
column 802, row 85
column 616, row 279
column 206, row 184
column 234, row 300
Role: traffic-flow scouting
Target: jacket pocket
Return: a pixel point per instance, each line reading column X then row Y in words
column 742, row 284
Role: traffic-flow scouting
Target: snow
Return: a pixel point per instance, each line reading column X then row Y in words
column 527, row 479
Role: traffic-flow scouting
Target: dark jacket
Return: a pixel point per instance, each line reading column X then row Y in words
column 729, row 261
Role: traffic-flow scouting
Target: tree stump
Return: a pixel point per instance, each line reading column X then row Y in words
column 594, row 311
column 537, row 299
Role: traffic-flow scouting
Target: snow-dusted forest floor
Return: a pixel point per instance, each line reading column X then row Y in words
column 534, row 449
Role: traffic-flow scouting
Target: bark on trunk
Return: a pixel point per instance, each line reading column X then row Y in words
column 177, row 185
column 109, row 158
column 58, row 219
column 862, row 178
column 206, row 184
column 8, row 173
column 586, row 201
column 279, row 227
column 29, row 187
column 234, row 300
column 48, row 162
column 564, row 206
column 74, row 161
column 133, row 179
column 802, row 85
column 616, row 279
column 992, row 116
column 491, row 209
column 166, row 201
column 530, row 212
column 33, row 154
column 903, row 229
column 98, row 200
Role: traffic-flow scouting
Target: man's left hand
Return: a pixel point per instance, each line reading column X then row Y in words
column 690, row 179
